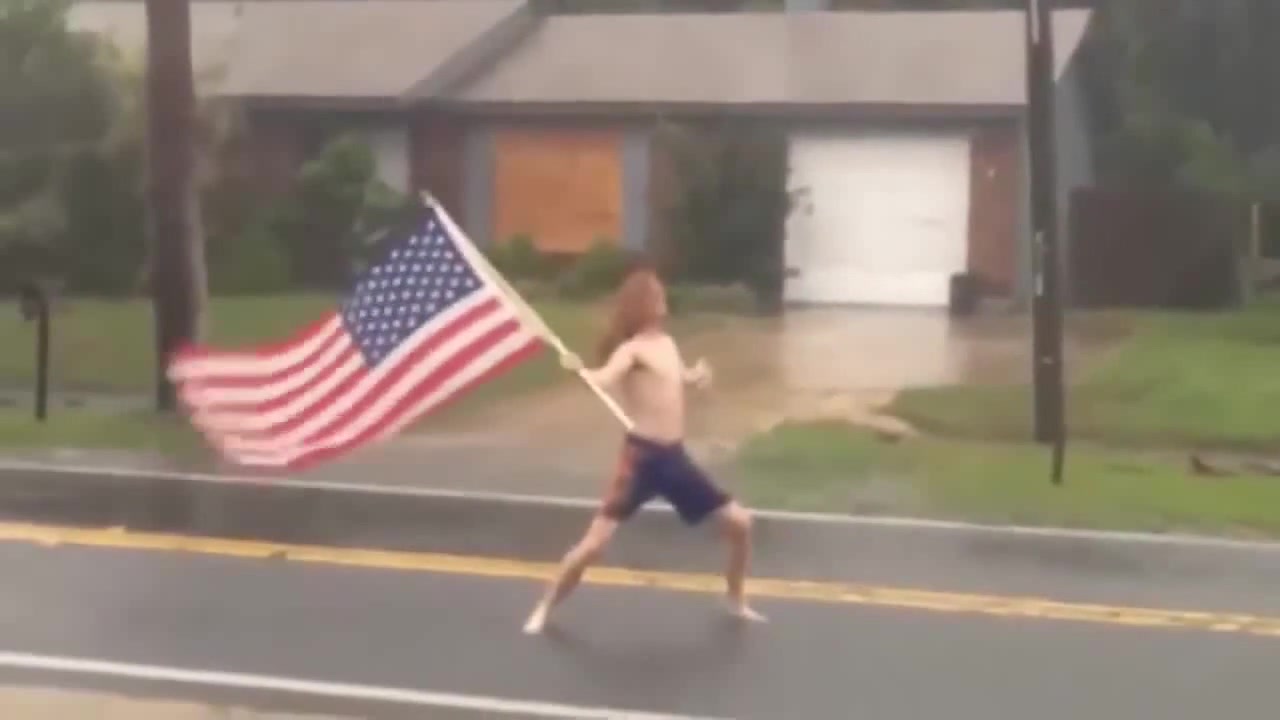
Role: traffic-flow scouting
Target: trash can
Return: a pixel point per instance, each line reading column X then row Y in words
column 964, row 295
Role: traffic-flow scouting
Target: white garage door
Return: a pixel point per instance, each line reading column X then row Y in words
column 883, row 219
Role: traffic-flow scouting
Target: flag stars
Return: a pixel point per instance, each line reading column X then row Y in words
column 424, row 276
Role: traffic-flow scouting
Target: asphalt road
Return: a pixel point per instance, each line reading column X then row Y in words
column 615, row 648
column 1076, row 567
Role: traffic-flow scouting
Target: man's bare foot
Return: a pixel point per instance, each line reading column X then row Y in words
column 537, row 621
column 741, row 610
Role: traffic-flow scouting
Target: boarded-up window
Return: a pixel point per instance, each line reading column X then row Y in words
column 562, row 187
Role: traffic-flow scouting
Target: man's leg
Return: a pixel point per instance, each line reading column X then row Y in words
column 735, row 523
column 575, row 563
column 696, row 496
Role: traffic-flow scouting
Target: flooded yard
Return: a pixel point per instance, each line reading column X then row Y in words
column 813, row 364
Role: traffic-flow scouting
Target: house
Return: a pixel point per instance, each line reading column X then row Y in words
column 906, row 130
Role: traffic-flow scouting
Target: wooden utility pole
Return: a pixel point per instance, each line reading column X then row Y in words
column 1046, row 309
column 177, row 272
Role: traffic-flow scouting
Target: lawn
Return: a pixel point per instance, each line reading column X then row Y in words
column 1181, row 380
column 83, row 429
column 837, row 468
column 107, row 346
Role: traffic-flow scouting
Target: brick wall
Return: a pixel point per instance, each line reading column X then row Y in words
column 995, row 179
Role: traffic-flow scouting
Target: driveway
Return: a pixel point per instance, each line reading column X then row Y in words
column 808, row 364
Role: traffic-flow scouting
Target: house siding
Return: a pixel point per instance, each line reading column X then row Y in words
column 662, row 190
column 635, row 188
column 1074, row 157
column 275, row 148
column 454, row 155
column 437, row 161
column 392, row 156
column 477, row 179
column 280, row 141
column 1074, row 168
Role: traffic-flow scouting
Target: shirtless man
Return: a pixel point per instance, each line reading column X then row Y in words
column 642, row 360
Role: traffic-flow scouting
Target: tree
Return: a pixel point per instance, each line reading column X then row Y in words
column 178, row 279
column 55, row 100
column 1183, row 92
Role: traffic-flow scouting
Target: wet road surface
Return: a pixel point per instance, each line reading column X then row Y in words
column 615, row 648
column 1081, row 567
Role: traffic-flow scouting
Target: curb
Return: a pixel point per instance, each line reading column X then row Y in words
column 301, row 510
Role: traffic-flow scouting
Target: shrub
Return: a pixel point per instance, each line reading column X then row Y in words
column 104, row 241
column 519, row 259
column 728, row 219
column 595, row 272
column 22, row 262
column 337, row 208
column 254, row 261
column 683, row 298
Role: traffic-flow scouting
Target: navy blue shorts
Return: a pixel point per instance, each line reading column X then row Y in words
column 648, row 469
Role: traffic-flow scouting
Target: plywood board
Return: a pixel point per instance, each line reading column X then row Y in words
column 562, row 187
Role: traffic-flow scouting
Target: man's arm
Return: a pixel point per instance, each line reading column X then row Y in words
column 621, row 361
column 699, row 374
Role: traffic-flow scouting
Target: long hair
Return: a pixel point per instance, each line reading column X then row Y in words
column 635, row 309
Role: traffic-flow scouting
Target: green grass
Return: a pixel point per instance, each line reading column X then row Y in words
column 836, row 468
column 92, row 430
column 107, row 346
column 1207, row 380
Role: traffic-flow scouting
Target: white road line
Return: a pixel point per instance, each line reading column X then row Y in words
column 342, row 691
column 875, row 521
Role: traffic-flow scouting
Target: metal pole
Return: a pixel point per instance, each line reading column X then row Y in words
column 1050, row 425
column 35, row 305
column 42, row 359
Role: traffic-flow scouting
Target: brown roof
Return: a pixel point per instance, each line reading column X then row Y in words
column 831, row 58
column 377, row 49
column 495, row 51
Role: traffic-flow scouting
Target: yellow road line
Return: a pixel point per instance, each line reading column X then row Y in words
column 833, row 593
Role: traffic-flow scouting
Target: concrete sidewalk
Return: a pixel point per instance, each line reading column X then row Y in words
column 18, row 703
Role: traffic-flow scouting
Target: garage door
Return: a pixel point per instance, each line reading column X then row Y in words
column 881, row 219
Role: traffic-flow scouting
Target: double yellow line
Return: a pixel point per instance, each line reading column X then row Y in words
column 831, row 593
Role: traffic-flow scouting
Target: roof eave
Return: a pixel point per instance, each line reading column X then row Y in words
column 847, row 111
column 347, row 103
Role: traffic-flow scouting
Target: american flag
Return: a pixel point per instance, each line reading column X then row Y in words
column 422, row 326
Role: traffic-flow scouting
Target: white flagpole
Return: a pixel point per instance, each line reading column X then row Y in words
column 526, row 312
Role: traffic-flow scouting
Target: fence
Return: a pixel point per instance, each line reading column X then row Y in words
column 1161, row 248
